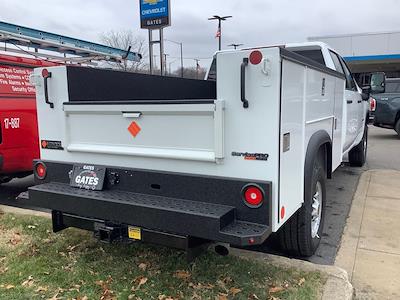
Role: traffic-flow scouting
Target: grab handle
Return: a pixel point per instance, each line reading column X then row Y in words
column 243, row 82
column 46, row 75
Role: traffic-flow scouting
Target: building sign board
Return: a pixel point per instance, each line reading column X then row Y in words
column 154, row 14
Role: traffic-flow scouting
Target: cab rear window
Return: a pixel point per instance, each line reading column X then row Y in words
column 315, row 55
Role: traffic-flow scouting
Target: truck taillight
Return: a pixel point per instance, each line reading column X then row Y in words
column 253, row 195
column 40, row 170
column 255, row 57
column 372, row 104
column 46, row 73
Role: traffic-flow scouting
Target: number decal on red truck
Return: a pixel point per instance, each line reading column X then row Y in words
column 11, row 123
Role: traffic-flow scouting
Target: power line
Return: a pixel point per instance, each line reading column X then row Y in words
column 189, row 58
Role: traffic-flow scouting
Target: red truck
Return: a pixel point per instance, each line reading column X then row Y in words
column 19, row 131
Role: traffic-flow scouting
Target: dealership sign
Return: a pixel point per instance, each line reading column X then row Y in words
column 154, row 14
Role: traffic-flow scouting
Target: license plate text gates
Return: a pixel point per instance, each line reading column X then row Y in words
column 88, row 177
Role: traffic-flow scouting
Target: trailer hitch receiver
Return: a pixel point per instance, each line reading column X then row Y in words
column 108, row 233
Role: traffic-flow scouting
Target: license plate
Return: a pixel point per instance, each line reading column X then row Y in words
column 88, row 177
column 134, row 233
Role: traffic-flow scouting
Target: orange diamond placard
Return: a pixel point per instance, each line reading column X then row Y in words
column 134, row 129
column 44, row 144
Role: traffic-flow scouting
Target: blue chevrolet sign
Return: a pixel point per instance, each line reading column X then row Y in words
column 154, row 14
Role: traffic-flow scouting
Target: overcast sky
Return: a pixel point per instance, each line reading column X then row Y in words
column 254, row 22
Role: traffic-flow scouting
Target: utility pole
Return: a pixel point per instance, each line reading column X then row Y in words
column 235, row 46
column 219, row 32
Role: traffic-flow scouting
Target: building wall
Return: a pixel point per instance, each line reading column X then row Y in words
column 368, row 52
column 365, row 44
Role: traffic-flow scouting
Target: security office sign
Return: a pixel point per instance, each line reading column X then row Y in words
column 154, row 14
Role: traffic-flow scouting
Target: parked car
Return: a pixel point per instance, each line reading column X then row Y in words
column 19, row 131
column 386, row 98
column 183, row 162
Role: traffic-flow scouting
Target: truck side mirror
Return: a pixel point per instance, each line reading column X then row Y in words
column 378, row 82
column 366, row 92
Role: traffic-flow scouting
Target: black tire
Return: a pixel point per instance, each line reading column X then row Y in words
column 358, row 155
column 397, row 127
column 296, row 237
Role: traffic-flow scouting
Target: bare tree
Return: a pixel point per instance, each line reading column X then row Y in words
column 124, row 40
column 191, row 72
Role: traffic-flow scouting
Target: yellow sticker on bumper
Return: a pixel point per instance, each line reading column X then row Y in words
column 134, row 233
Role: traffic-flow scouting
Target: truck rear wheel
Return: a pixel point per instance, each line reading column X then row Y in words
column 301, row 235
column 397, row 128
column 358, row 155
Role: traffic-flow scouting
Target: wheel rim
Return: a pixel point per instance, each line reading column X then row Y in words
column 316, row 212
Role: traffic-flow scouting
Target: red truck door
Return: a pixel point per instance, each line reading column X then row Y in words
column 19, row 137
column 18, row 122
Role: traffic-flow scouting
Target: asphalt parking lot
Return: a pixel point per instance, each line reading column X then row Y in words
column 383, row 154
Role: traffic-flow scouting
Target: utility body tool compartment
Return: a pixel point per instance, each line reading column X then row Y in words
column 187, row 157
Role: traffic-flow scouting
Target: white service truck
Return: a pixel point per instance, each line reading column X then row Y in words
column 184, row 162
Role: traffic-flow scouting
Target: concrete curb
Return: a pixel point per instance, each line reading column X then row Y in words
column 337, row 286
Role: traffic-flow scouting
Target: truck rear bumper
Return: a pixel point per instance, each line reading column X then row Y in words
column 150, row 213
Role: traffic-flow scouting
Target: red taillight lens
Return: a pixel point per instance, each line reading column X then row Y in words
column 372, row 104
column 40, row 170
column 45, row 73
column 255, row 57
column 253, row 196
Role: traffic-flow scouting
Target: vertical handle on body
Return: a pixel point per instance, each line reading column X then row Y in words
column 46, row 75
column 245, row 63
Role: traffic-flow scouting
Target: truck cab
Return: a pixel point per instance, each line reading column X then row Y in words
column 386, row 98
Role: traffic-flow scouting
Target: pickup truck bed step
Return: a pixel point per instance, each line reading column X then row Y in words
column 184, row 217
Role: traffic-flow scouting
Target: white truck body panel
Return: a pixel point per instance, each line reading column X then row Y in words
column 166, row 124
column 354, row 114
column 289, row 102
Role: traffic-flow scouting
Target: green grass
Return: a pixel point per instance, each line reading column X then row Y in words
column 38, row 264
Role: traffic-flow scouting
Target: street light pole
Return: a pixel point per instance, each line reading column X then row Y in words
column 181, row 59
column 235, row 46
column 165, row 64
column 219, row 32
column 181, row 46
